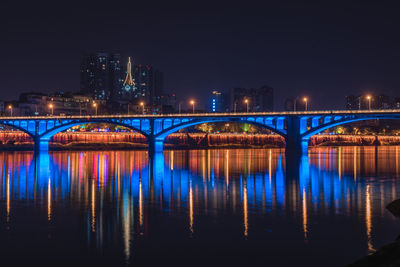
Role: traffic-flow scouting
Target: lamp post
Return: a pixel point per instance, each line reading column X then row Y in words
column 51, row 106
column 247, row 105
column 192, row 103
column 10, row 108
column 369, row 102
column 305, row 99
column 142, row 105
column 95, row 107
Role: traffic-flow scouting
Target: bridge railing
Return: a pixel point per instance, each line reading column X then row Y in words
column 214, row 114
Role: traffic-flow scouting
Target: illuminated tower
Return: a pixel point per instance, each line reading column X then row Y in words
column 129, row 83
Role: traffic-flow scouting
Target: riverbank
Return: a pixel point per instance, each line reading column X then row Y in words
column 129, row 140
column 120, row 146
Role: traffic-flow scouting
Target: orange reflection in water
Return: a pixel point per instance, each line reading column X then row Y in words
column 198, row 183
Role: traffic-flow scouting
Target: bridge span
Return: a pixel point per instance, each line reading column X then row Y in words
column 295, row 127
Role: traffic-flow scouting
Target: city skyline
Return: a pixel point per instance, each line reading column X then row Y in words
column 324, row 52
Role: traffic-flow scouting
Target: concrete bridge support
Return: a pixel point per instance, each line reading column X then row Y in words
column 295, row 143
column 41, row 144
column 155, row 145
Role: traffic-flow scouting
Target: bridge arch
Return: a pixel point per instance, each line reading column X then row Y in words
column 51, row 132
column 160, row 137
column 306, row 135
column 19, row 128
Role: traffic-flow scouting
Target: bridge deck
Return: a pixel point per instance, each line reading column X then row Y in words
column 227, row 114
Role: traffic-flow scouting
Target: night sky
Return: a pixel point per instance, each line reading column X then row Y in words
column 324, row 50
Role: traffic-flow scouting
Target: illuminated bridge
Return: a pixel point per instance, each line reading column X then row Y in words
column 295, row 127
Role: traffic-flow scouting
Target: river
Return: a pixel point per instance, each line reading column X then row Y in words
column 197, row 207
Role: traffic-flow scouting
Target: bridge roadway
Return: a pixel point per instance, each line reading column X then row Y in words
column 295, row 127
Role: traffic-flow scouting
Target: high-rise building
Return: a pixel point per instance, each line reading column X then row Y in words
column 255, row 100
column 129, row 89
column 101, row 75
column 142, row 83
column 216, row 102
column 149, row 83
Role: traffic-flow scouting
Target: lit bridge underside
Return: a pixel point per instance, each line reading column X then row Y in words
column 295, row 127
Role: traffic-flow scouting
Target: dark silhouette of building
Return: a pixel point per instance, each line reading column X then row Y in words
column 58, row 103
column 368, row 100
column 258, row 100
column 352, row 102
column 101, row 75
column 295, row 104
column 148, row 83
column 167, row 103
column 396, row 102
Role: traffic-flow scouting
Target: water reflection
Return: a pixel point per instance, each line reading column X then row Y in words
column 122, row 197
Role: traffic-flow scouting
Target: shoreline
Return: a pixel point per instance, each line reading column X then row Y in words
column 18, row 141
column 139, row 146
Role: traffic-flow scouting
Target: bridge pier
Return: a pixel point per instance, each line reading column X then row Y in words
column 295, row 144
column 155, row 145
column 40, row 144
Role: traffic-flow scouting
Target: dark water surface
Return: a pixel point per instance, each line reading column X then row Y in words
column 197, row 207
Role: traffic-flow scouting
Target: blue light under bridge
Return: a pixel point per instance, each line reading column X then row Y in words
column 295, row 127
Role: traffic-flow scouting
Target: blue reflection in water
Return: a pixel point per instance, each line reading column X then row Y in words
column 121, row 198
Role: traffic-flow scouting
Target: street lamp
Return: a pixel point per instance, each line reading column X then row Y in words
column 51, row 106
column 369, row 102
column 305, row 99
column 10, row 108
column 142, row 104
column 247, row 104
column 95, row 106
column 192, row 103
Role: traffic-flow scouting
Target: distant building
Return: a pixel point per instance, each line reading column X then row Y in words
column 149, row 83
column 259, row 100
column 352, row 102
column 294, row 104
column 101, row 75
column 361, row 102
column 167, row 103
column 141, row 83
column 289, row 104
column 396, row 102
column 217, row 102
column 129, row 89
column 30, row 104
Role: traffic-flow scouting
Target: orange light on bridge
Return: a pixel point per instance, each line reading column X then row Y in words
column 247, row 104
column 305, row 99
column 11, row 109
column 369, row 101
column 192, row 103
column 51, row 106
column 142, row 105
column 95, row 107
